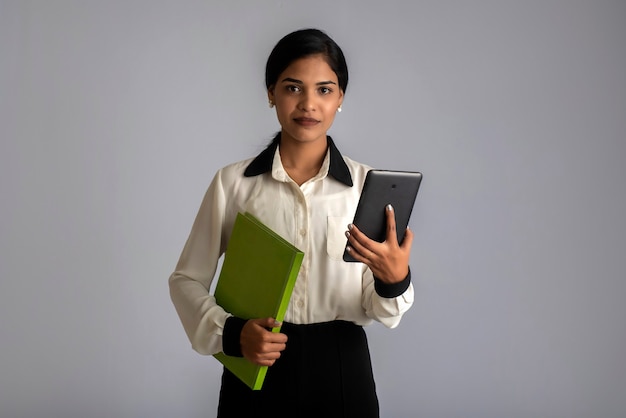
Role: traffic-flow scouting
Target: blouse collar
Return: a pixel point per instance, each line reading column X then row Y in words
column 264, row 161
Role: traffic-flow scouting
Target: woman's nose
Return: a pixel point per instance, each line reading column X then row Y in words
column 307, row 102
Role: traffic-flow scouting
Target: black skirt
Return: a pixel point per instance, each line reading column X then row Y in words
column 325, row 371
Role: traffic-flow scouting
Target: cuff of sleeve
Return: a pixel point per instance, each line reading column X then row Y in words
column 231, row 337
column 392, row 290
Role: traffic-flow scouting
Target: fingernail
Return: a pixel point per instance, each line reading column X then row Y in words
column 348, row 249
column 350, row 227
column 347, row 234
column 389, row 207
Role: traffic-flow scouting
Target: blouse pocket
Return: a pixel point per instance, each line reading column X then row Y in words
column 336, row 226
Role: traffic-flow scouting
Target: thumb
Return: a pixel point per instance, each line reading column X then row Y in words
column 269, row 323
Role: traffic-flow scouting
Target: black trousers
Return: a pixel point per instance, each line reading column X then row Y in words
column 325, row 371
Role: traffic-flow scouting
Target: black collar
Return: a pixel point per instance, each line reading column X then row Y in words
column 263, row 162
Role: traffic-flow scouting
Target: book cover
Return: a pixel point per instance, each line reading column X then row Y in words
column 256, row 281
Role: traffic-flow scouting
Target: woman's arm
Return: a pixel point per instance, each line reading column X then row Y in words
column 387, row 287
column 202, row 319
column 209, row 327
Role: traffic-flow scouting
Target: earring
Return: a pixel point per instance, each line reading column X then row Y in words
column 339, row 109
column 271, row 104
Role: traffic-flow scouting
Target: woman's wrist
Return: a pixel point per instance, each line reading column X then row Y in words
column 392, row 290
column 231, row 345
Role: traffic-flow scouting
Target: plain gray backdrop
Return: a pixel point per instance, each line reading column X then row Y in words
column 114, row 116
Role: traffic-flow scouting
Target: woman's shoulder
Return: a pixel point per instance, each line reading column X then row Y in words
column 357, row 169
column 233, row 171
column 237, row 166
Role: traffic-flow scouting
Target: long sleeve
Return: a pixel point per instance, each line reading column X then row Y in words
column 387, row 309
column 202, row 319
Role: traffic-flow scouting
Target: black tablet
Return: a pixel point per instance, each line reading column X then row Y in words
column 383, row 187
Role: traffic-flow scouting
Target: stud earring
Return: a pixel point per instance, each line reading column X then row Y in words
column 271, row 104
column 339, row 109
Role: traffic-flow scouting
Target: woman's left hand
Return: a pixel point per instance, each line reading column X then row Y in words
column 388, row 260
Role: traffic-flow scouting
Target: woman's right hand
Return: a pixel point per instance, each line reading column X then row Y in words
column 258, row 344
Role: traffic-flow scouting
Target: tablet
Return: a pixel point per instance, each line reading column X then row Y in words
column 383, row 187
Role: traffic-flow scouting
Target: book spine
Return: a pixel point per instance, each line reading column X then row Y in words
column 291, row 282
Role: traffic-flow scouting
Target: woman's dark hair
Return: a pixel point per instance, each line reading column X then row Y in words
column 303, row 43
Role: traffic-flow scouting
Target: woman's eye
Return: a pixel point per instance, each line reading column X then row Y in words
column 325, row 90
column 293, row 89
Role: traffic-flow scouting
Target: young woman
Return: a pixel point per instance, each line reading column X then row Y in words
column 303, row 188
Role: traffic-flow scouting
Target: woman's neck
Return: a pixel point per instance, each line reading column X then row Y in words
column 302, row 160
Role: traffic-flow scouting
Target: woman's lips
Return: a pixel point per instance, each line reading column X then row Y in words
column 306, row 121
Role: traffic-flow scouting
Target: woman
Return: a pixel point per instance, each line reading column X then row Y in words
column 305, row 190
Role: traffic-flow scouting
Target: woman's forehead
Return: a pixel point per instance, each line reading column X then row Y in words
column 312, row 68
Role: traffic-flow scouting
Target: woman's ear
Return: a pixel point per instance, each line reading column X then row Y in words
column 270, row 95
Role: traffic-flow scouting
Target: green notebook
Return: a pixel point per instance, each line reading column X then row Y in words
column 256, row 281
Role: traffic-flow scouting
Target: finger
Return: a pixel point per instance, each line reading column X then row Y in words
column 276, row 338
column 358, row 257
column 392, row 237
column 274, row 348
column 266, row 359
column 268, row 323
column 408, row 239
column 271, row 336
column 357, row 246
column 360, row 241
column 355, row 254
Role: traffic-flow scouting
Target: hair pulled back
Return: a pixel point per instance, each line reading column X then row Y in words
column 303, row 43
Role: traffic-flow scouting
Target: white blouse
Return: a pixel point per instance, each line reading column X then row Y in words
column 313, row 217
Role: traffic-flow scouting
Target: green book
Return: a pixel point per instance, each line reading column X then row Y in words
column 256, row 281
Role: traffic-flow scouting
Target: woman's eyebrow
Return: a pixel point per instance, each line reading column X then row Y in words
column 293, row 80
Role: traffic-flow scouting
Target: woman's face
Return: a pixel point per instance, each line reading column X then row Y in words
column 307, row 96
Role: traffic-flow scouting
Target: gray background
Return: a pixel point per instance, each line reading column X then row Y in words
column 114, row 116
